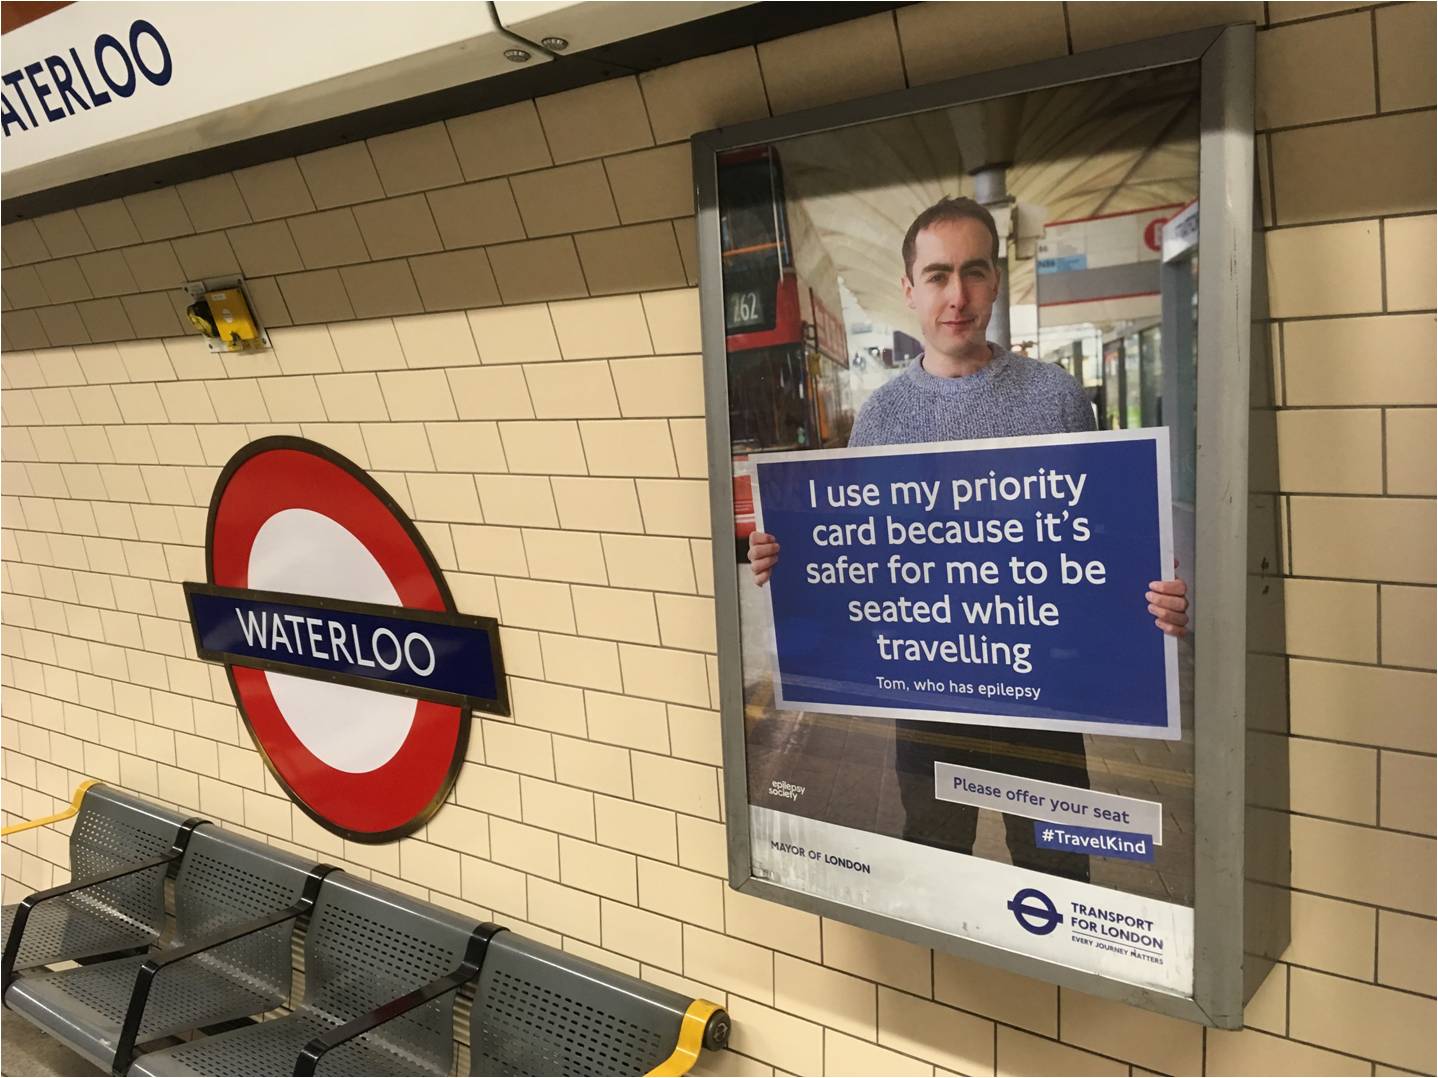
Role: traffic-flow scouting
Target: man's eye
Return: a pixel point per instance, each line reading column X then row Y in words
column 935, row 278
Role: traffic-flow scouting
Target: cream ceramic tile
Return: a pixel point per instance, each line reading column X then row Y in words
column 598, row 869
column 454, row 280
column 675, row 676
column 547, row 706
column 106, row 273
column 1319, row 174
column 628, row 447
column 515, row 334
column 704, row 93
column 532, row 604
column 330, row 238
column 683, row 895
column 1406, row 625
column 499, row 141
column 1407, row 793
column 572, row 390
column 1354, row 862
column 590, row 664
column 659, row 386
column 1362, row 538
column 397, row 446
column 437, row 340
column 598, row 328
column 519, row 500
column 686, row 621
column 62, row 280
column 518, row 748
column 764, row 1033
column 158, row 214
column 569, row 198
column 1331, row 619
column 265, row 298
column 1241, row 1052
column 656, row 564
column 888, row 961
column 1405, row 63
column 397, row 226
column 25, row 289
column 605, row 769
column 729, row 963
column 64, row 234
column 946, row 40
column 1365, row 1020
column 22, row 243
column 537, row 270
column 1408, row 263
column 1355, row 361
column 105, row 320
column 340, row 175
column 1023, row 1053
column 694, row 733
column 601, row 118
column 609, row 505
column 1406, row 947
column 646, row 936
column 525, row 848
column 213, row 202
column 1007, row 997
column 415, row 159
column 1097, row 24
column 367, row 345
column 626, row 720
column 274, row 189
column 305, row 350
column 543, row 448
column 63, row 325
column 476, row 213
column 673, row 319
column 490, row 393
column 206, row 255
column 467, row 447
column 1314, row 71
column 316, row 296
column 1409, row 457
column 852, row 59
column 571, row 912
column 445, row 497
column 264, row 249
column 108, row 225
column 490, row 550
column 412, row 395
column 631, row 259
column 826, row 996
column 652, row 185
column 1324, row 270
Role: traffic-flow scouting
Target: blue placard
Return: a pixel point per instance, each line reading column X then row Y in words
column 444, row 657
column 997, row 582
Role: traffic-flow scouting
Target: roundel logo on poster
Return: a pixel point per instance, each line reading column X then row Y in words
column 351, row 667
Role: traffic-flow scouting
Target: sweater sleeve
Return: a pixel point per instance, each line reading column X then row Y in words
column 1078, row 413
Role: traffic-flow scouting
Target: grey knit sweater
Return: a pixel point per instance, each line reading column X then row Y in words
column 1014, row 395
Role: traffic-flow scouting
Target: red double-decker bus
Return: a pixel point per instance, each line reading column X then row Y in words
column 788, row 354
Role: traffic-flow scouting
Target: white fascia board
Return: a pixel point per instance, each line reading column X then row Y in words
column 239, row 70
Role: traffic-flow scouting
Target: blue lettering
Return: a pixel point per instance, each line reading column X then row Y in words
column 42, row 91
column 97, row 97
column 107, row 41
column 162, row 76
column 12, row 80
column 9, row 116
column 64, row 83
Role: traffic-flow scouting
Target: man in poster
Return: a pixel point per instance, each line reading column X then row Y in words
column 962, row 387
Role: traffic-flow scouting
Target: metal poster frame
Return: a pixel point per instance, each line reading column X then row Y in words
column 1225, row 57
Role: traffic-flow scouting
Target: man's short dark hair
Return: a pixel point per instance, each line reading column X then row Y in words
column 948, row 209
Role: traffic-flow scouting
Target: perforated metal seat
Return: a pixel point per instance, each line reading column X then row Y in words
column 225, row 881
column 112, row 831
column 542, row 1011
column 365, row 945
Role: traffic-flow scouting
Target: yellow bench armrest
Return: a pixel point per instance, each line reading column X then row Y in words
column 44, row 821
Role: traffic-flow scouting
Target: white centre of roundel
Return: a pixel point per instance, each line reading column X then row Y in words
column 350, row 729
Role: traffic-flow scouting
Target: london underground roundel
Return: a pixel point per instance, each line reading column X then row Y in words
column 354, row 672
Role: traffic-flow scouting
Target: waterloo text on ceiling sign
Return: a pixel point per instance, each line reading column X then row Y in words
column 351, row 667
column 55, row 87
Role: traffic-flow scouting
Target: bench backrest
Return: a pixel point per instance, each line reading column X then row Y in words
column 226, row 879
column 366, row 945
column 542, row 1011
column 114, row 829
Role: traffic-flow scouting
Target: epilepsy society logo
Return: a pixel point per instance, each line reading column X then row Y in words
column 350, row 665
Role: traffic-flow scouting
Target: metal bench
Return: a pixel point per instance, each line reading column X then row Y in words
column 542, row 1011
column 365, row 946
column 121, row 850
column 236, row 905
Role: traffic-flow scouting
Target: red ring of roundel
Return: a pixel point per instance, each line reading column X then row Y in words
column 400, row 793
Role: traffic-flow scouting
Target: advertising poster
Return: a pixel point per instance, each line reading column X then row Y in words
column 964, row 562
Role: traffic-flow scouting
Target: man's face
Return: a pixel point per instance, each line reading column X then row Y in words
column 952, row 286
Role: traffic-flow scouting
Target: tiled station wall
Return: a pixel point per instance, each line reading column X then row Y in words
column 496, row 316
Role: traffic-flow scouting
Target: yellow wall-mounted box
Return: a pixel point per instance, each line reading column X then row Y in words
column 231, row 314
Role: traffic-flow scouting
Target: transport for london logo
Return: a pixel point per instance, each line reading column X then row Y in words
column 351, row 667
column 1035, row 911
